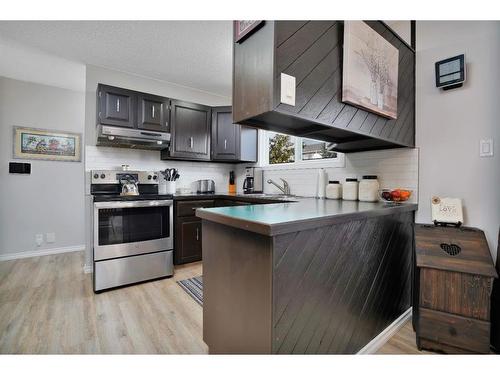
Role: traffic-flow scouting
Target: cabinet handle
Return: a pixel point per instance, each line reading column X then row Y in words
column 225, row 144
column 117, row 105
column 153, row 111
column 197, row 234
column 190, row 142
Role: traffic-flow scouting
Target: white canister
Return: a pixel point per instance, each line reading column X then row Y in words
column 350, row 189
column 166, row 187
column 368, row 189
column 333, row 190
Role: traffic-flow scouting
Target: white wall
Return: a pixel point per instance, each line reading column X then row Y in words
column 50, row 199
column 451, row 123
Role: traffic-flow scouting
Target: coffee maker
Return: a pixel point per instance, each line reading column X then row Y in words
column 254, row 181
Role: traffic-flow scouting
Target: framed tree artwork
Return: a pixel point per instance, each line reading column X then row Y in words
column 370, row 70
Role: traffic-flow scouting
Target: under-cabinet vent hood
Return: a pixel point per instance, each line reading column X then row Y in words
column 131, row 138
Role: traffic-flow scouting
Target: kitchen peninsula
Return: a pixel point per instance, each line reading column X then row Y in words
column 304, row 276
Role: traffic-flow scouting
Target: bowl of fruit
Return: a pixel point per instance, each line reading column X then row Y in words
column 394, row 195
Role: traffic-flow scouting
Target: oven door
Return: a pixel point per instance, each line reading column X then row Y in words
column 130, row 228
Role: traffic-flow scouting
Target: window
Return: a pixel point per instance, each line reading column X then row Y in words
column 316, row 150
column 282, row 150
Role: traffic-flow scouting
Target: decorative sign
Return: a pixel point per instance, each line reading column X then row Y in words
column 447, row 210
column 450, row 73
column 242, row 29
column 41, row 144
column 370, row 70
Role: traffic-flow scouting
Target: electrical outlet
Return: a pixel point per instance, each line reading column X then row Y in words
column 486, row 148
column 51, row 237
column 39, row 239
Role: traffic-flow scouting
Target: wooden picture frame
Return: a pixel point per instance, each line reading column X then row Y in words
column 243, row 29
column 43, row 144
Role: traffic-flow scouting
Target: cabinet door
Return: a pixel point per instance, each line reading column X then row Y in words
column 190, row 127
column 153, row 113
column 116, row 106
column 225, row 134
column 188, row 240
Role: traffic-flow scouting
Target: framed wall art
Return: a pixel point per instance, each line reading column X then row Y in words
column 42, row 144
column 243, row 29
column 370, row 70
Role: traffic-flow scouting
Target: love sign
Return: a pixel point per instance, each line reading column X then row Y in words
column 447, row 210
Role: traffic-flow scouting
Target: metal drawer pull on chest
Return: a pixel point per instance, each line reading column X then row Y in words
column 452, row 288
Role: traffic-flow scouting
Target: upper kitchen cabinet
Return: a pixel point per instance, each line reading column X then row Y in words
column 116, row 106
column 190, row 128
column 132, row 109
column 152, row 112
column 312, row 53
column 232, row 142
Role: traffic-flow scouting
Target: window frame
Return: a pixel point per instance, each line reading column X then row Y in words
column 299, row 163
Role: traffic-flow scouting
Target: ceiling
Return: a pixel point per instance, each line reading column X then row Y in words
column 196, row 54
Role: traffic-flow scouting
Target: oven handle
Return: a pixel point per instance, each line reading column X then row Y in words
column 157, row 203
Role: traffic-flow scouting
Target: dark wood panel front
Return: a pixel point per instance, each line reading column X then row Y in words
column 336, row 287
column 455, row 293
column 455, row 331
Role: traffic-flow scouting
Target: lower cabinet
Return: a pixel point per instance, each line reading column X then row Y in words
column 187, row 240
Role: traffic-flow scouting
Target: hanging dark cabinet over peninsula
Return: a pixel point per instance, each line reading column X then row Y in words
column 311, row 51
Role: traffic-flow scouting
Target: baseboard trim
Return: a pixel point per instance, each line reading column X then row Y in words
column 42, row 252
column 373, row 346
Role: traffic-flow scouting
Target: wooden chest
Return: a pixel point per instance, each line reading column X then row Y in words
column 452, row 289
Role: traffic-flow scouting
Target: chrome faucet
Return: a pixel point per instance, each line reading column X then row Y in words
column 285, row 189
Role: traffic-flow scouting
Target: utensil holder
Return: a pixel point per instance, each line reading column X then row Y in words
column 167, row 187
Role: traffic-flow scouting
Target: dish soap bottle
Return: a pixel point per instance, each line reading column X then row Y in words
column 232, row 185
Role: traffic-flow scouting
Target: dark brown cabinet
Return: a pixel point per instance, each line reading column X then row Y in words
column 188, row 242
column 187, row 236
column 190, row 128
column 232, row 142
column 132, row 109
column 224, row 134
column 311, row 52
column 116, row 106
column 153, row 113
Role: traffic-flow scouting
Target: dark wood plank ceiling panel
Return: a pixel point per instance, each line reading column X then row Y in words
column 362, row 293
column 287, row 30
column 299, row 42
column 315, row 60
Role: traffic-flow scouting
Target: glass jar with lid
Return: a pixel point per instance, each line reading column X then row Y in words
column 334, row 190
column 350, row 189
column 368, row 189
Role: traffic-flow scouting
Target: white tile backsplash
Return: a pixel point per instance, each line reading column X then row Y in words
column 113, row 158
column 396, row 168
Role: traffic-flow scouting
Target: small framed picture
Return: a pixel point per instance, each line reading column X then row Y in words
column 243, row 29
column 42, row 144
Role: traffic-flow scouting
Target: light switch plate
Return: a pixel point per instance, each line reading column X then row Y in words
column 287, row 89
column 486, row 148
column 51, row 237
column 39, row 239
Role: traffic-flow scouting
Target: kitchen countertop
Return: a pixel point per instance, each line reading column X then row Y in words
column 297, row 213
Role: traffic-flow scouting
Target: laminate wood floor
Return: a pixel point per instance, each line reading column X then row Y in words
column 47, row 306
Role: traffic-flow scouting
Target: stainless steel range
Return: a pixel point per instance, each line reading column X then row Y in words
column 133, row 233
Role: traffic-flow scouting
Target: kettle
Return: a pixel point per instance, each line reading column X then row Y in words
column 129, row 185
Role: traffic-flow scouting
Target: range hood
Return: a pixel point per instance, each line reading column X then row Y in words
column 131, row 138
